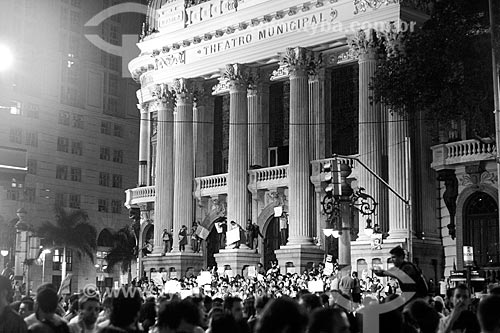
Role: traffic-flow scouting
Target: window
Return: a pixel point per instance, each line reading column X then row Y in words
column 118, row 156
column 104, row 58
column 74, row 201
column 112, row 106
column 114, row 63
column 105, row 153
column 57, row 259
column 32, row 166
column 77, row 121
column 103, row 178
column 64, row 118
column 29, row 194
column 114, row 32
column 116, row 206
column 75, row 3
column 75, row 21
column 113, row 85
column 117, row 181
column 76, row 147
column 62, row 172
column 118, row 130
column 102, row 205
column 13, row 194
column 69, row 96
column 62, row 144
column 60, row 200
column 106, row 127
column 76, row 174
column 16, row 135
column 32, row 139
column 32, row 110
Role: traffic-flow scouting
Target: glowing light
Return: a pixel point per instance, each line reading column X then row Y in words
column 6, row 58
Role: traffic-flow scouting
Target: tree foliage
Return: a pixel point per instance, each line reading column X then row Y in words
column 124, row 250
column 443, row 68
column 71, row 230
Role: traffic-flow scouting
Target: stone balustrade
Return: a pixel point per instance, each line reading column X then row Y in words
column 461, row 152
column 211, row 185
column 135, row 196
column 268, row 178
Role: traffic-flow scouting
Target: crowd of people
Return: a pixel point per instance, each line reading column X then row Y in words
column 311, row 302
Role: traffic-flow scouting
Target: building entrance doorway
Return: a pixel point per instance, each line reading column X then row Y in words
column 213, row 246
column 272, row 241
column 481, row 229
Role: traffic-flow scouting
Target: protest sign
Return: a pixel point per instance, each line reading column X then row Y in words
column 233, row 235
column 204, row 278
column 252, row 272
column 315, row 286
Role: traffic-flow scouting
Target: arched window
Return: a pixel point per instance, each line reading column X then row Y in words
column 481, row 228
column 105, row 239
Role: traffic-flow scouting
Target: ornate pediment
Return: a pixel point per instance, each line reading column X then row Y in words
column 363, row 5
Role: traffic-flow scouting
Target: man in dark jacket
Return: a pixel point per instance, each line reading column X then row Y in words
column 10, row 321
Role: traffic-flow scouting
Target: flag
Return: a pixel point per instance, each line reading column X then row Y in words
column 65, row 285
column 202, row 232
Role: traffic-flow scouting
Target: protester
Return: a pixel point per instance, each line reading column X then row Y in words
column 422, row 316
column 88, row 312
column 328, row 320
column 488, row 314
column 10, row 321
column 417, row 283
column 125, row 308
column 282, row 315
column 45, row 319
column 179, row 316
column 461, row 319
column 26, row 307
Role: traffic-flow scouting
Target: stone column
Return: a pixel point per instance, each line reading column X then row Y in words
column 258, row 118
column 183, row 162
column 301, row 229
column 345, row 237
column 371, row 145
column 317, row 101
column 143, row 145
column 398, row 131
column 237, row 206
column 164, row 165
column 203, row 127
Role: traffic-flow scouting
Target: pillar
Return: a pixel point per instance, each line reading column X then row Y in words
column 397, row 132
column 183, row 161
column 301, row 229
column 164, row 165
column 258, row 118
column 317, row 107
column 203, row 127
column 237, row 206
column 370, row 137
column 345, row 237
column 143, row 145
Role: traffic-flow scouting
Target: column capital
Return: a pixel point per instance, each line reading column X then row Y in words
column 143, row 107
column 392, row 40
column 256, row 83
column 163, row 95
column 365, row 45
column 233, row 78
column 297, row 61
column 183, row 89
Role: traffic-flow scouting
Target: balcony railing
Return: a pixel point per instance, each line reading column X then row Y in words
column 265, row 178
column 211, row 185
column 135, row 196
column 461, row 152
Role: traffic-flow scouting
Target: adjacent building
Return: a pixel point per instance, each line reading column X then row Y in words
column 66, row 103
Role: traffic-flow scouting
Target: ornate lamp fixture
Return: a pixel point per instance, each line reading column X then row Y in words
column 339, row 190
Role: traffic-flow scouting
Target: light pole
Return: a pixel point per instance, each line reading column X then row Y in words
column 337, row 202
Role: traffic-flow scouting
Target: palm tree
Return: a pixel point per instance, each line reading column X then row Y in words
column 123, row 252
column 71, row 230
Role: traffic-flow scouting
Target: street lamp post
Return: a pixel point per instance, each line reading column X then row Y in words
column 43, row 254
column 338, row 201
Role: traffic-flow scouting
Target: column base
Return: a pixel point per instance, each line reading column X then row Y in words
column 299, row 255
column 237, row 259
column 185, row 264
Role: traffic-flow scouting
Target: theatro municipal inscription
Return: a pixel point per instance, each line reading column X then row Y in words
column 270, row 30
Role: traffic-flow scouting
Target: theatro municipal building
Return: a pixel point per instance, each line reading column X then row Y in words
column 256, row 109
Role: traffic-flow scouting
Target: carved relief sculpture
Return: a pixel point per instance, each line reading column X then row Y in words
column 450, row 196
